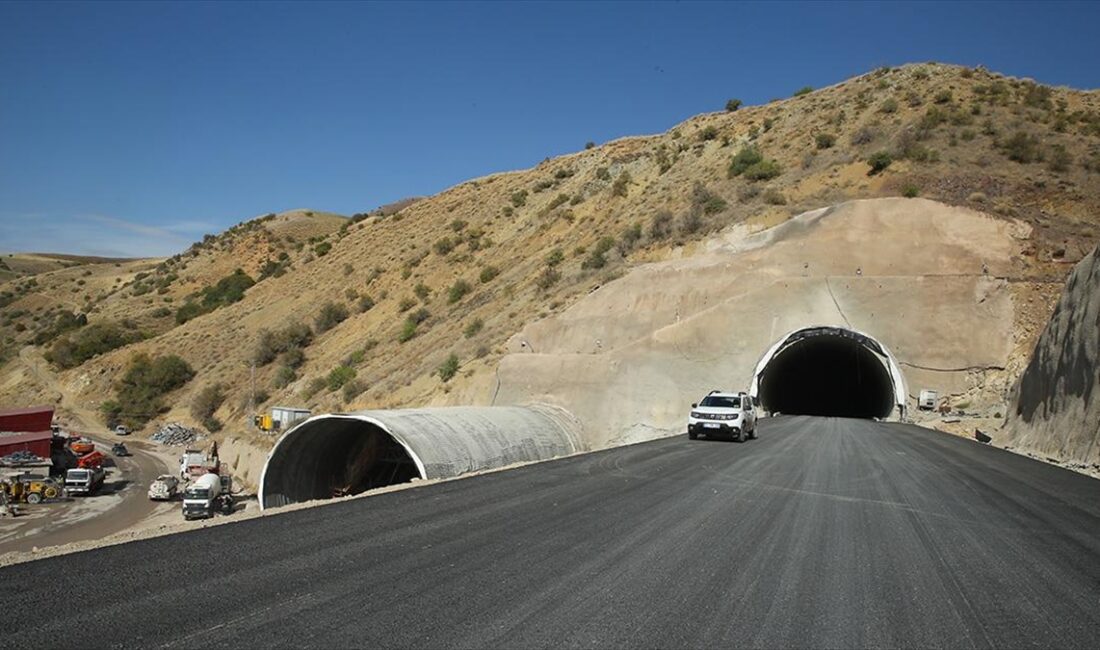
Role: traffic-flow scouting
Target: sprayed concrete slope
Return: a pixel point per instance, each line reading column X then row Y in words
column 1056, row 403
column 928, row 281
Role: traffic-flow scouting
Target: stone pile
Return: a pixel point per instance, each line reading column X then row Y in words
column 175, row 435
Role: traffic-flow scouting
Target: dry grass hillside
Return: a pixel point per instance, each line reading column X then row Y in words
column 391, row 295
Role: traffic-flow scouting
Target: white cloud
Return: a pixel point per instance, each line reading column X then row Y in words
column 94, row 234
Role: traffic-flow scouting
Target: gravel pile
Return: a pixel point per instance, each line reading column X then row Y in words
column 176, row 435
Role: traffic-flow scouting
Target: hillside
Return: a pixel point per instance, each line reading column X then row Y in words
column 463, row 271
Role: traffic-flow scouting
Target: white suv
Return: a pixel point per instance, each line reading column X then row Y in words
column 726, row 414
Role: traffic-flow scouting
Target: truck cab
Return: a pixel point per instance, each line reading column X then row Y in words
column 199, row 497
column 85, row 480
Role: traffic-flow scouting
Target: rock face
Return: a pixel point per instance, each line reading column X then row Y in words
column 1056, row 403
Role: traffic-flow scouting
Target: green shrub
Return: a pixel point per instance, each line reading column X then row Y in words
column 943, row 97
column 422, row 291
column 773, row 196
column 353, row 389
column 1060, row 159
column 291, row 338
column 458, row 290
column 473, row 328
column 560, row 199
column 547, row 278
column 284, row 376
column 763, row 170
column 366, row 303
column 732, row 105
column 879, row 161
column 406, row 304
column 519, row 199
column 1022, row 147
column 139, row 393
column 910, row 191
column 890, row 105
column 804, row 90
column 621, row 184
column 419, row 316
column 322, row 249
column 71, row 350
column 408, row 331
column 315, row 385
column 207, row 402
column 825, row 140
column 339, row 376
column 458, row 224
column 589, row 144
column 602, row 174
column 747, row 157
column 228, row 290
column 660, row 226
column 555, row 257
column 443, row 245
column 709, row 133
column 331, row 315
column 630, row 237
column 188, row 311
column 449, row 368
column 487, row 274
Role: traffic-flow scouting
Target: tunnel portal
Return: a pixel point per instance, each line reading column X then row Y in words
column 830, row 371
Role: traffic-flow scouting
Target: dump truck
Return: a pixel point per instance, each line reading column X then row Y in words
column 195, row 463
column 164, row 488
column 207, row 494
column 85, row 481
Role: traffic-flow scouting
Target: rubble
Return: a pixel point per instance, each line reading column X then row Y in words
column 176, row 435
column 22, row 456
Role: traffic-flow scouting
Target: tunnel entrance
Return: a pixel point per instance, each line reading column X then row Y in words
column 335, row 457
column 829, row 371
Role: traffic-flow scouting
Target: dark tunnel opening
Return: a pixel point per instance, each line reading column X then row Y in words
column 830, row 375
column 335, row 457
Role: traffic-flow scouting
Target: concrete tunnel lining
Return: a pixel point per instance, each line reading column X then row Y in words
column 831, row 371
column 348, row 453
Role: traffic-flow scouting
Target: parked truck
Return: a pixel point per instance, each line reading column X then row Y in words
column 164, row 488
column 195, row 463
column 206, row 495
column 85, row 481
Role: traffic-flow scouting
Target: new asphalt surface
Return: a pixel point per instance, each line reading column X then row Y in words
column 824, row 532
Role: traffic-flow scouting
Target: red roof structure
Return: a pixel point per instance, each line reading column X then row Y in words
column 36, row 442
column 38, row 418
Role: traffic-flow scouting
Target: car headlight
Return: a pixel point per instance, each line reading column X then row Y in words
column 695, row 414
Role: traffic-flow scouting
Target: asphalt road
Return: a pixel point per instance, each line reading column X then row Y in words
column 823, row 532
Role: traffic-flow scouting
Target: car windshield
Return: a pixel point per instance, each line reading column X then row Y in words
column 721, row 402
column 197, row 493
column 77, row 475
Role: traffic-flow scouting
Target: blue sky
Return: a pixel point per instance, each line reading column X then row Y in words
column 135, row 128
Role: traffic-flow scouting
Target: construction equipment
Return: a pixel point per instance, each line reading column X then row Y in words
column 194, row 462
column 85, row 481
column 200, row 498
column 164, row 488
column 91, row 459
column 31, row 489
column 81, row 446
column 119, row 449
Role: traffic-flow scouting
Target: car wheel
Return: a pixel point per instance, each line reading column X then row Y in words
column 692, row 435
column 741, row 436
column 34, row 498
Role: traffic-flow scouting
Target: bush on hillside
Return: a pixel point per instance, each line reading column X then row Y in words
column 1022, row 147
column 487, row 274
column 139, row 393
column 732, row 105
column 293, row 337
column 73, row 349
column 339, row 376
column 763, row 170
column 879, row 161
column 804, row 90
column 459, row 289
column 825, row 140
column 205, row 404
column 331, row 315
column 449, row 368
column 747, row 157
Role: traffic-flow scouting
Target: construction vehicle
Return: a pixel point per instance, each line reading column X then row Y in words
column 164, row 488
column 81, row 446
column 195, row 463
column 31, row 489
column 91, row 459
column 85, row 481
column 207, row 494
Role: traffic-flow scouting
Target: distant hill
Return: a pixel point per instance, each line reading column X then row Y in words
column 391, row 294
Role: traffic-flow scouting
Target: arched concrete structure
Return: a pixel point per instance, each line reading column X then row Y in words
column 348, row 453
column 811, row 353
